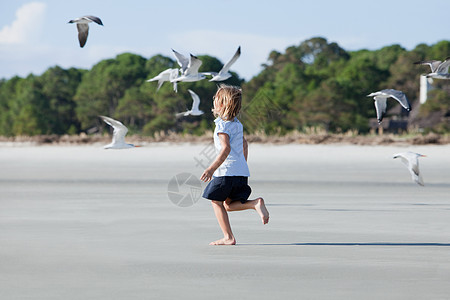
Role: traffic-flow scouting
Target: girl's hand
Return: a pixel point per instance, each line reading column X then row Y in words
column 225, row 150
column 207, row 175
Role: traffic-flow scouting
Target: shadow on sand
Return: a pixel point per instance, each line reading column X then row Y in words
column 382, row 244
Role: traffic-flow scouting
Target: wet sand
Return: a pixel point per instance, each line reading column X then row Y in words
column 346, row 222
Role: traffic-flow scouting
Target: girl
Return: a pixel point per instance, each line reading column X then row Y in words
column 228, row 189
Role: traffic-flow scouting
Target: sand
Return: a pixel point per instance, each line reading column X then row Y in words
column 347, row 222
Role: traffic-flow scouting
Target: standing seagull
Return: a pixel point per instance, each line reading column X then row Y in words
column 439, row 69
column 195, row 111
column 83, row 27
column 381, row 97
column 118, row 140
column 411, row 161
column 224, row 73
column 166, row 75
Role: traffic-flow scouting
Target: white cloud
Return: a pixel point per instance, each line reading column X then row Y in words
column 26, row 26
column 255, row 48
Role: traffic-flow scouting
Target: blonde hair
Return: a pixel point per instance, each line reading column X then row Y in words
column 227, row 102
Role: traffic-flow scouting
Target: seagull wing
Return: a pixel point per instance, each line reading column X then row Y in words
column 374, row 94
column 181, row 114
column 432, row 63
column 409, row 159
column 83, row 31
column 404, row 159
column 196, row 101
column 380, row 106
column 194, row 65
column 94, row 19
column 419, row 180
column 175, row 87
column 399, row 96
column 160, row 83
column 120, row 130
column 413, row 167
column 162, row 77
column 443, row 67
column 210, row 73
column 173, row 75
column 227, row 66
column 182, row 60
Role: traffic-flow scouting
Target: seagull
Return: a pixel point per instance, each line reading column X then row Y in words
column 166, row 75
column 120, row 130
column 191, row 73
column 83, row 27
column 194, row 111
column 439, row 69
column 411, row 161
column 381, row 97
column 224, row 74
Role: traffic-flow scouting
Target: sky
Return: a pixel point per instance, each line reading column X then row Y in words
column 35, row 34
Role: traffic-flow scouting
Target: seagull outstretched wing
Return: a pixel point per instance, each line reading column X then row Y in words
column 120, row 130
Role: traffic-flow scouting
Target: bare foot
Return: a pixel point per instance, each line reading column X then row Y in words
column 224, row 241
column 260, row 207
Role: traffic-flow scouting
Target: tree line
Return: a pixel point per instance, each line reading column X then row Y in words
column 316, row 84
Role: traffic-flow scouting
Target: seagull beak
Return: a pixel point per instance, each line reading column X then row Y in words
column 137, row 146
column 423, row 155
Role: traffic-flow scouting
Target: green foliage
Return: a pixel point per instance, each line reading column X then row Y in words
column 318, row 84
column 8, row 92
column 435, row 113
column 438, row 101
column 30, row 108
column 440, row 51
column 315, row 84
column 59, row 87
column 101, row 89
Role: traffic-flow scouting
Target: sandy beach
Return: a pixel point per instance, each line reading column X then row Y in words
column 346, row 222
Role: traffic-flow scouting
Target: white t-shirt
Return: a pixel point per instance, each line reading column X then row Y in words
column 235, row 163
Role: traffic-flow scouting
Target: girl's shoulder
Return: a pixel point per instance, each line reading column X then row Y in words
column 229, row 127
column 220, row 120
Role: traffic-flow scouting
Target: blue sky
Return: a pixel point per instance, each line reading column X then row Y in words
column 34, row 35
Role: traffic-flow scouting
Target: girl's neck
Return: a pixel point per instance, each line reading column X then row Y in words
column 223, row 119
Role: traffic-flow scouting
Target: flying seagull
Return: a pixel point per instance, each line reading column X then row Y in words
column 195, row 110
column 191, row 73
column 120, row 130
column 166, row 75
column 439, row 69
column 224, row 73
column 381, row 97
column 83, row 27
column 411, row 161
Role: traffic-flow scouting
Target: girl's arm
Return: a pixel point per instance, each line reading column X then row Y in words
column 245, row 144
column 224, row 151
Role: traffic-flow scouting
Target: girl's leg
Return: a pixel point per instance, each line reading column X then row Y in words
column 224, row 223
column 257, row 204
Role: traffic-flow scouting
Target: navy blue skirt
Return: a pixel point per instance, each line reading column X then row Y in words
column 233, row 187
